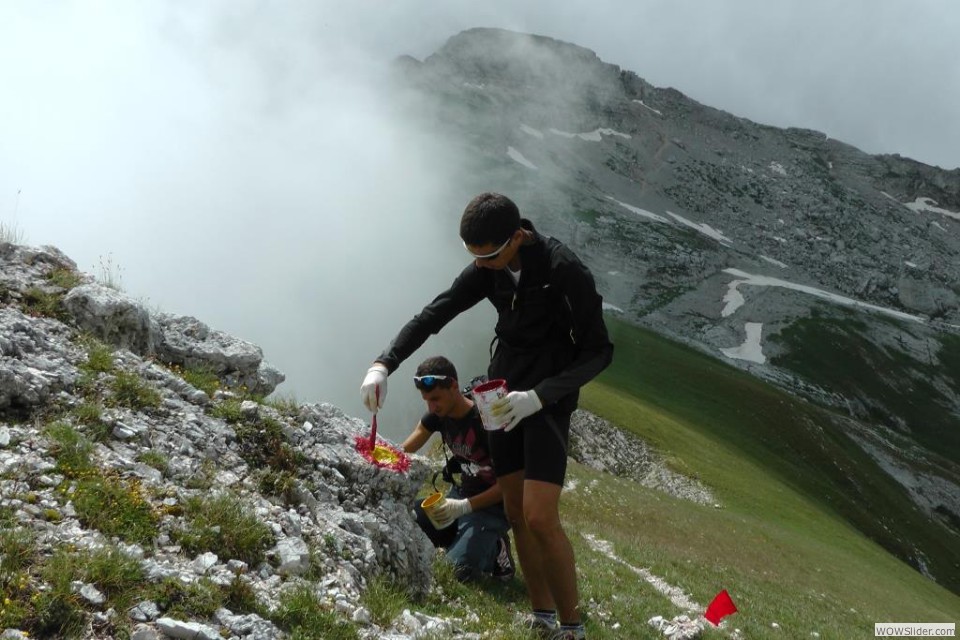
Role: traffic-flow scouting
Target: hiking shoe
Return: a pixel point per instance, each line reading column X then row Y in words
column 504, row 568
column 541, row 627
column 568, row 634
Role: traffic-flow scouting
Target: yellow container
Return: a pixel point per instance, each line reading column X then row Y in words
column 430, row 503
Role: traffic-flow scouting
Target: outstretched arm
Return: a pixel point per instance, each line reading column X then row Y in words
column 417, row 438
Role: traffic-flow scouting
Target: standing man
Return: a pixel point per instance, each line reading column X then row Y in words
column 473, row 525
column 550, row 341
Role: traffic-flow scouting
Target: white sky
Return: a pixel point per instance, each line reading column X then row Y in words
column 232, row 158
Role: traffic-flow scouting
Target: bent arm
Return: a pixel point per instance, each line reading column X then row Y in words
column 417, row 438
column 467, row 290
column 488, row 498
column 585, row 310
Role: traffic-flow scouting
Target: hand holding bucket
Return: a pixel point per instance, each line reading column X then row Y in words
column 484, row 396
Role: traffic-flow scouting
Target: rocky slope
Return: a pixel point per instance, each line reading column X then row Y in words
column 146, row 486
column 807, row 262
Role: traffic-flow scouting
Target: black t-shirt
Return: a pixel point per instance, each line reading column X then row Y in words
column 467, row 439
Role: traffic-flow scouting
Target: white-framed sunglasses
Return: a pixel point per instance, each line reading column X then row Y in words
column 489, row 256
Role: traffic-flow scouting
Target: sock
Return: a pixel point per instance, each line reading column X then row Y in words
column 577, row 627
column 546, row 615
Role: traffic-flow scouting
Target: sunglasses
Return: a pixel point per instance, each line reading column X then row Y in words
column 489, row 256
column 426, row 383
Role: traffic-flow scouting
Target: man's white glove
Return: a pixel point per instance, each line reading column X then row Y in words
column 376, row 379
column 450, row 510
column 515, row 406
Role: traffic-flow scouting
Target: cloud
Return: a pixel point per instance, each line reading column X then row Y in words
column 240, row 162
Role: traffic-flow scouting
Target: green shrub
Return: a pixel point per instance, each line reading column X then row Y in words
column 38, row 302
column 286, row 405
column 227, row 410
column 241, row 599
column 99, row 356
column 65, row 278
column 220, row 524
column 114, row 573
column 202, row 378
column 90, row 414
column 17, row 550
column 385, row 600
column 71, row 449
column 115, row 507
column 156, row 460
column 301, row 614
column 199, row 599
column 129, row 390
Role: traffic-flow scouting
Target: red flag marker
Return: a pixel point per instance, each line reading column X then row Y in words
column 721, row 606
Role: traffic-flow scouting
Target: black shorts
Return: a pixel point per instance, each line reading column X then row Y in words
column 538, row 446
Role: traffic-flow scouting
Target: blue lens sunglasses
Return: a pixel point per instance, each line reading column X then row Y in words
column 426, row 383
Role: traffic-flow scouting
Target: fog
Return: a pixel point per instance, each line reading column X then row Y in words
column 234, row 160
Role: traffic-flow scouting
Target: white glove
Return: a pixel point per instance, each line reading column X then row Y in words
column 376, row 379
column 516, row 406
column 450, row 511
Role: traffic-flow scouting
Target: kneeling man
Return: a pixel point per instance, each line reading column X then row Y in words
column 473, row 524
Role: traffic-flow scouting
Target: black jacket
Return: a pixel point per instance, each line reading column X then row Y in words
column 550, row 332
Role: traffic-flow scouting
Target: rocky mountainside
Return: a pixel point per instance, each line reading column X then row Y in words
column 148, row 488
column 828, row 271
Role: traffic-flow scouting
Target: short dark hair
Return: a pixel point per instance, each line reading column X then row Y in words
column 490, row 218
column 438, row 366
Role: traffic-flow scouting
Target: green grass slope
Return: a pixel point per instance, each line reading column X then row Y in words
column 803, row 537
column 809, row 528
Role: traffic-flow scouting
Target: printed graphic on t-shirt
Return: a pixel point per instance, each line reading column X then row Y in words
column 467, row 441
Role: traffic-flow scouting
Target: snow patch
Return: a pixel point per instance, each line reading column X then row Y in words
column 734, row 299
column 590, row 136
column 751, row 349
column 927, row 204
column 536, row 133
column 703, row 228
column 645, row 106
column 609, row 307
column 518, row 157
column 776, row 262
column 640, row 212
column 938, row 225
column 777, row 168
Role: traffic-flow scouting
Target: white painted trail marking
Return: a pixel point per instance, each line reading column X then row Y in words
column 675, row 594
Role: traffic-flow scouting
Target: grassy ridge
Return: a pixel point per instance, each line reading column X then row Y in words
column 844, row 360
column 787, row 542
column 741, row 423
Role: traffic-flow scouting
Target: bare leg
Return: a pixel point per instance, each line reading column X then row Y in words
column 528, row 548
column 541, row 509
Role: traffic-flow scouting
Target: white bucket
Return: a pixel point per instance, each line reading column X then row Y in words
column 484, row 395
